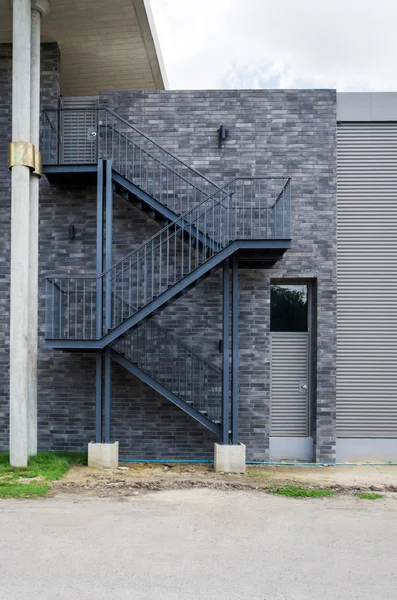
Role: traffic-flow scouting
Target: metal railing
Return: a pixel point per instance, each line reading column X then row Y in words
column 244, row 209
column 81, row 136
column 175, row 366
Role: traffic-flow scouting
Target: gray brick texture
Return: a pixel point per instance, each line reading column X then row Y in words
column 274, row 133
column 271, row 133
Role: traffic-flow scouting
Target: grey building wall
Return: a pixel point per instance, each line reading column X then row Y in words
column 270, row 133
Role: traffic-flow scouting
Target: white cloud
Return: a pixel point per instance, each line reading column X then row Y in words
column 347, row 44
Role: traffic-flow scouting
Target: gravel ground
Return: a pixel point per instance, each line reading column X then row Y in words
column 134, row 479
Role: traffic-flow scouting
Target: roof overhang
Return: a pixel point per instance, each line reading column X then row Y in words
column 105, row 44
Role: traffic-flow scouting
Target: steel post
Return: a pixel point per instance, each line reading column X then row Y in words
column 235, row 357
column 226, row 352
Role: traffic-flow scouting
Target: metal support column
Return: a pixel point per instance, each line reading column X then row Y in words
column 108, row 243
column 235, row 361
column 22, row 161
column 226, row 349
column 98, row 397
column 99, row 251
column 108, row 396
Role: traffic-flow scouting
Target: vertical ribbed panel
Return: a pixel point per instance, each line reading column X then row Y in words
column 289, row 415
column 78, row 145
column 367, row 280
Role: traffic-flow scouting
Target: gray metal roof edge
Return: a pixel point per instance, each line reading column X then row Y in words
column 366, row 106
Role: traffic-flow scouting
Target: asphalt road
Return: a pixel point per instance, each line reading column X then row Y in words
column 198, row 544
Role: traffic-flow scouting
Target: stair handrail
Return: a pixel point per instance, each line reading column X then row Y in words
column 164, row 259
column 139, row 131
column 177, row 221
column 170, row 335
column 168, row 167
column 152, row 141
column 195, row 208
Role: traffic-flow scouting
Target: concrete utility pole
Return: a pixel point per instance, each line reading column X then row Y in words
column 40, row 8
column 24, row 160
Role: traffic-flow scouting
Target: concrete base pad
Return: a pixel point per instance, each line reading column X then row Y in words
column 229, row 458
column 105, row 456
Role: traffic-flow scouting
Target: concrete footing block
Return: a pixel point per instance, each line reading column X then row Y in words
column 229, row 458
column 103, row 456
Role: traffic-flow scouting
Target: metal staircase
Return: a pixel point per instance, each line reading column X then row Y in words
column 204, row 226
column 145, row 173
column 170, row 367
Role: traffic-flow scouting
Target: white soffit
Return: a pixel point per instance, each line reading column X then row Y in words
column 105, row 44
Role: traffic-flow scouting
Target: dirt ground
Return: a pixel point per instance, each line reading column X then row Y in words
column 135, row 479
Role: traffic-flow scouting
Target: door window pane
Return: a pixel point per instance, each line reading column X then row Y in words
column 288, row 309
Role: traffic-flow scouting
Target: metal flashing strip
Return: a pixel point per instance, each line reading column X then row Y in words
column 21, row 154
column 38, row 164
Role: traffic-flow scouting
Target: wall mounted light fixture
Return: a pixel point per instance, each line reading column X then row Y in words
column 222, row 135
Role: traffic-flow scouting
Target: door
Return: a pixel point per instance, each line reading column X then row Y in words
column 79, row 130
column 289, row 382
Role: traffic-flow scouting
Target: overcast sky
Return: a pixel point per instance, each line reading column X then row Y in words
column 343, row 44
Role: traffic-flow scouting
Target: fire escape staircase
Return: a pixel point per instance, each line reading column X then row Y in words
column 204, row 226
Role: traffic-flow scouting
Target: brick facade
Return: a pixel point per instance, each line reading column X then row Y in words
column 273, row 133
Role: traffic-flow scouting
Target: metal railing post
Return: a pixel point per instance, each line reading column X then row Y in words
column 225, row 350
column 108, row 396
column 98, row 397
column 108, row 245
column 235, row 353
column 99, row 252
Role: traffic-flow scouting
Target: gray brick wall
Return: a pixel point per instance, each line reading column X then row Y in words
column 270, row 133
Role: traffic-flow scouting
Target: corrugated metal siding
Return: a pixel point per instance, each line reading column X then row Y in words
column 78, row 146
column 367, row 280
column 289, row 415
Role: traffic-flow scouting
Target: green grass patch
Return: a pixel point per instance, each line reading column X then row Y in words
column 368, row 496
column 257, row 473
column 23, row 490
column 46, row 466
column 295, row 491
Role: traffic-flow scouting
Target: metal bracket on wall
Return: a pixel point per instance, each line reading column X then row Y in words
column 38, row 164
column 24, row 154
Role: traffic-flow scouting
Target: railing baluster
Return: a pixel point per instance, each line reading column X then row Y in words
column 243, row 199
column 168, row 257
column 68, row 326
column 91, row 308
column 152, row 296
column 137, row 279
column 166, row 180
column 181, row 211
column 175, row 265
column 83, row 332
column 129, row 286
column 53, row 311
column 154, row 180
column 146, row 164
column 144, row 278
column 251, row 236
